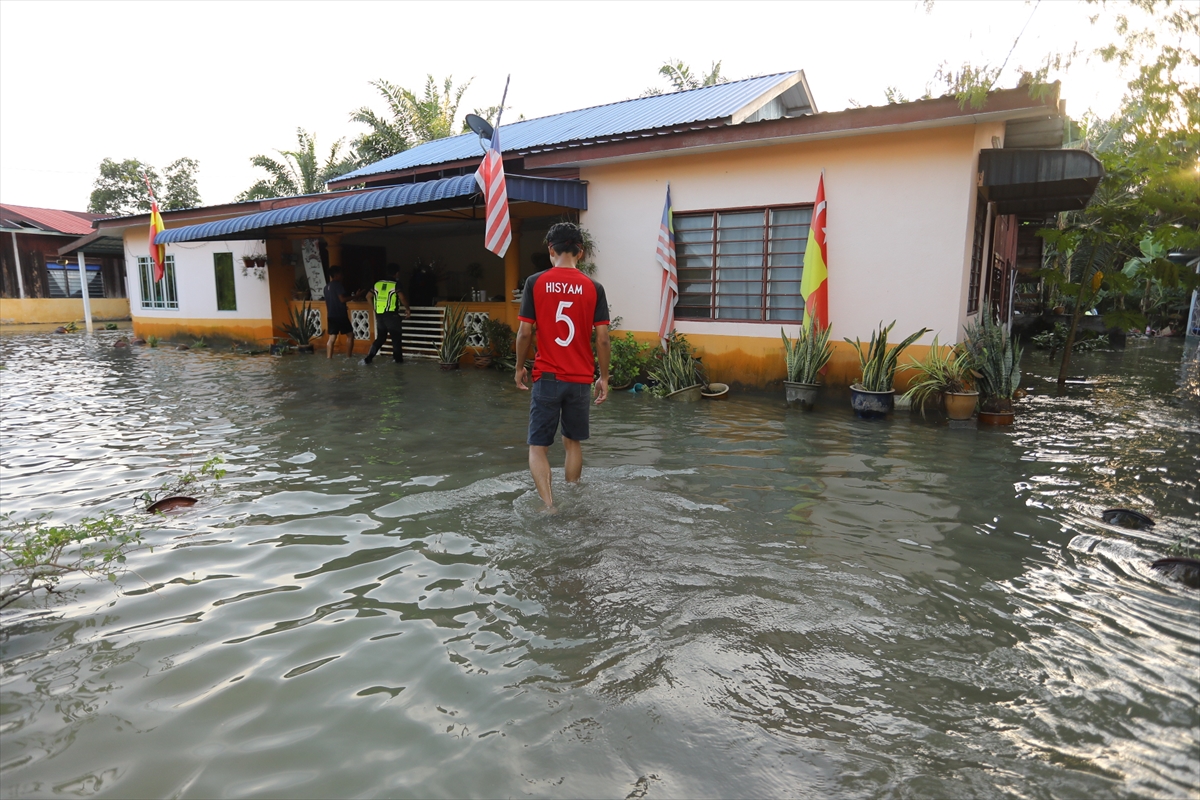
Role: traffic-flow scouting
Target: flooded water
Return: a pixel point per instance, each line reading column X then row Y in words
column 739, row 600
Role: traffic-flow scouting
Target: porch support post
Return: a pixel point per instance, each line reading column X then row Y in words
column 512, row 272
column 333, row 244
column 17, row 264
column 83, row 291
column 281, row 282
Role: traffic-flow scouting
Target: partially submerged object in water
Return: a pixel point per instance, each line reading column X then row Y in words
column 1127, row 518
column 1181, row 568
column 171, row 504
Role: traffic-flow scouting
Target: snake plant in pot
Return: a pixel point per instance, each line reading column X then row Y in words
column 996, row 363
column 676, row 371
column 874, row 395
column 300, row 328
column 805, row 358
column 943, row 378
column 454, row 338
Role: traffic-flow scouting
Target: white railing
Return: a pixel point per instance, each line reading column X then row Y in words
column 422, row 333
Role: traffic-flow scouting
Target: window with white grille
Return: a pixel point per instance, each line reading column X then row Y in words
column 157, row 294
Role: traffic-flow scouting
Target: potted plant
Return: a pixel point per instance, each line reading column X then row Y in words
column 996, row 363
column 501, row 341
column 874, row 395
column 627, row 361
column 805, row 358
column 300, row 290
column 677, row 371
column 454, row 337
column 943, row 378
column 300, row 328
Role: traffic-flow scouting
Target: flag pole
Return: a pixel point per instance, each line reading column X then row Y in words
column 83, row 289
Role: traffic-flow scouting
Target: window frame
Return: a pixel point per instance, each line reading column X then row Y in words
column 764, row 307
column 979, row 247
column 162, row 296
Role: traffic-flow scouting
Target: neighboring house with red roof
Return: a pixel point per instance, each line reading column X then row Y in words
column 37, row 284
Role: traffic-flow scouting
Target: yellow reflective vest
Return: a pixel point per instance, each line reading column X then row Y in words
column 387, row 299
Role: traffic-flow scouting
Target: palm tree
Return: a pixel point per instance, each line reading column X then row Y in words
column 409, row 120
column 299, row 171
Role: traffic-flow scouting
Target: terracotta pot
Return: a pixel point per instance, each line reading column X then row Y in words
column 260, row 262
column 995, row 418
column 802, row 395
column 689, row 394
column 960, row 405
column 444, row 366
column 871, row 405
column 247, row 262
column 620, row 388
column 483, row 362
column 715, row 391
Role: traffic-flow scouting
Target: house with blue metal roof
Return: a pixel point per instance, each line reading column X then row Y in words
column 925, row 204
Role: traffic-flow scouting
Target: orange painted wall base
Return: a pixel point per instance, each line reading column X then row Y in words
column 258, row 331
column 758, row 362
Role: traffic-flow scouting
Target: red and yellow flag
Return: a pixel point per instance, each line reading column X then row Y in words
column 814, row 285
column 158, row 252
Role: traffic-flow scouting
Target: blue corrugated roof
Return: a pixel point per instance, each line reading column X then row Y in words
column 553, row 191
column 641, row 114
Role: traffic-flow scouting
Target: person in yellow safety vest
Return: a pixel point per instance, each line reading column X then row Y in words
column 386, row 299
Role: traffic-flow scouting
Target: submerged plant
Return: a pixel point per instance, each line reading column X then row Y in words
column 500, row 342
column 152, row 340
column 454, row 335
column 199, row 344
column 299, row 327
column 996, row 361
column 809, row 354
column 676, row 368
column 627, row 360
column 877, row 362
column 940, row 372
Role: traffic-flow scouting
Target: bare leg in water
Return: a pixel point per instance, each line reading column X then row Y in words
column 539, row 467
column 574, row 465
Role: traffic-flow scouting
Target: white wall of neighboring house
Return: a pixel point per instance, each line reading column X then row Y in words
column 197, row 290
column 900, row 218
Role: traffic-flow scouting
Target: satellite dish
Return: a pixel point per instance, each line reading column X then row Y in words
column 481, row 127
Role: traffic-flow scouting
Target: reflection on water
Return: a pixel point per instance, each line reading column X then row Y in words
column 739, row 600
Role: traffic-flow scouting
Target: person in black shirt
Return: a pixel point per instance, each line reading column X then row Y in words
column 336, row 313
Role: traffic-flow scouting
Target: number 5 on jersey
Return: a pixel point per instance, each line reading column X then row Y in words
column 559, row 316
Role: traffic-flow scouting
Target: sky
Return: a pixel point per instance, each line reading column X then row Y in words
column 223, row 81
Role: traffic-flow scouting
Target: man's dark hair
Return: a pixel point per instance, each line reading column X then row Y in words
column 393, row 270
column 335, row 272
column 565, row 237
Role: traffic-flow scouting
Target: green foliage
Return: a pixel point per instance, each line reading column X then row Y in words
column 628, row 359
column 300, row 327
column 1056, row 338
column 71, row 327
column 409, row 120
column 199, row 344
column 995, row 359
column 877, row 362
column 36, row 554
column 110, row 326
column 119, row 190
column 152, row 340
column 187, row 482
column 454, row 335
column 681, row 78
column 298, row 171
column 809, row 354
column 942, row 370
column 501, row 341
column 676, row 368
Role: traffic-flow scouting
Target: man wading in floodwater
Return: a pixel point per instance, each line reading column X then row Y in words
column 563, row 305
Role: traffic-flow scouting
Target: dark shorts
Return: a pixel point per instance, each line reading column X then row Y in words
column 340, row 325
column 554, row 400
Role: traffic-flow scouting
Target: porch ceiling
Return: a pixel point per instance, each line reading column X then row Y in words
column 448, row 197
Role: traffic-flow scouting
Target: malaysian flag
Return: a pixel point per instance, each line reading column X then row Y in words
column 665, row 256
column 497, row 232
column 158, row 252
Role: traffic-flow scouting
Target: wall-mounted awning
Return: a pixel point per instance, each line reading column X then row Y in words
column 1038, row 181
column 410, row 198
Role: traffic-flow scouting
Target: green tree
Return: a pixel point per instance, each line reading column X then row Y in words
column 181, row 189
column 1148, row 203
column 120, row 189
column 409, row 120
column 298, row 171
column 681, row 77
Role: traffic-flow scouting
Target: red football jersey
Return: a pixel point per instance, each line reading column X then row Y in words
column 565, row 305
